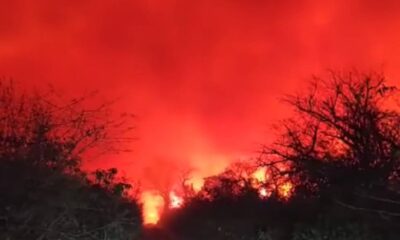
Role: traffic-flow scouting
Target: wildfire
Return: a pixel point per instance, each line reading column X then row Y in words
column 153, row 204
column 263, row 193
column 260, row 175
column 196, row 183
column 285, row 190
column 175, row 201
column 260, row 179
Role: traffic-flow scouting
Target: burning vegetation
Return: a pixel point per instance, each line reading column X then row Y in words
column 257, row 179
column 336, row 158
column 333, row 171
column 336, row 161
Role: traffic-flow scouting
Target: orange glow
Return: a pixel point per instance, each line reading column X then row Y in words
column 175, row 201
column 263, row 193
column 196, row 183
column 260, row 179
column 260, row 175
column 153, row 204
column 285, row 190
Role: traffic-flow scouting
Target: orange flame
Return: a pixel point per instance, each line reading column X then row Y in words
column 175, row 201
column 196, row 183
column 285, row 190
column 153, row 204
column 263, row 193
column 260, row 175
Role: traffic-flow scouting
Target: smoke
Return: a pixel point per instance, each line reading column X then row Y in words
column 203, row 77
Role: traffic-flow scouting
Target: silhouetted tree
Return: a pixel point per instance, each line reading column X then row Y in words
column 43, row 129
column 343, row 141
column 340, row 150
column 44, row 193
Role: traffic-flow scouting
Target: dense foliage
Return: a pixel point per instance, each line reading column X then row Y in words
column 40, row 203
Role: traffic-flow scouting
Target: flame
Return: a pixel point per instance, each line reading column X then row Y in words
column 196, row 183
column 263, row 193
column 175, row 201
column 260, row 178
column 260, row 175
column 153, row 204
column 285, row 190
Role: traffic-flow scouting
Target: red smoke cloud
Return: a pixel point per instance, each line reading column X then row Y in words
column 202, row 76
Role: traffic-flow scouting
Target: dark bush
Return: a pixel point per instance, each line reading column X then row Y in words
column 44, row 194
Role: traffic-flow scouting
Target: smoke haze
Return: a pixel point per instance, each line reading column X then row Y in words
column 203, row 77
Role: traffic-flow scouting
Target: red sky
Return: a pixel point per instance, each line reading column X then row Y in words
column 202, row 76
